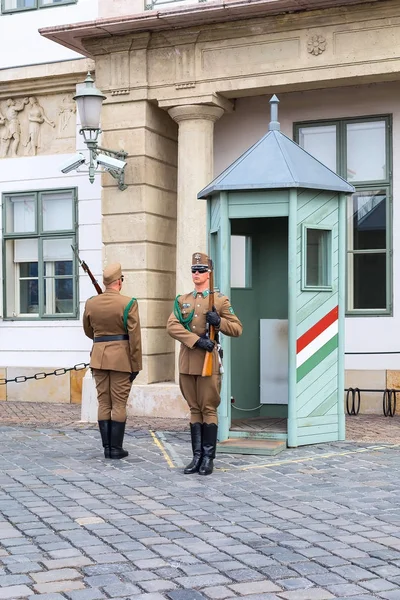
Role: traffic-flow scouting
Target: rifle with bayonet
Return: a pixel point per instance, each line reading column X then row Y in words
column 210, row 331
column 88, row 271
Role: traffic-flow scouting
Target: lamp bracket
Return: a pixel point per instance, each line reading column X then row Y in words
column 120, row 155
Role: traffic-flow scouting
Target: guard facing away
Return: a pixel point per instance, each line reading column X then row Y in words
column 111, row 320
column 189, row 324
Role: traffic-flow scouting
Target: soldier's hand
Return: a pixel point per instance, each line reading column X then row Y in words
column 213, row 317
column 133, row 376
column 205, row 344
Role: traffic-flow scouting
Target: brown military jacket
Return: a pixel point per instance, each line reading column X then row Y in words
column 191, row 359
column 104, row 315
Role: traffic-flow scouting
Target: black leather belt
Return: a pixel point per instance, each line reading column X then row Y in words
column 111, row 338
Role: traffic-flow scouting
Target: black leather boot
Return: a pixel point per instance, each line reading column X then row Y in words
column 105, row 432
column 196, row 435
column 209, row 444
column 117, row 437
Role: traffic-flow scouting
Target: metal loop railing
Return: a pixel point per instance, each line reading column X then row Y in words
column 353, row 400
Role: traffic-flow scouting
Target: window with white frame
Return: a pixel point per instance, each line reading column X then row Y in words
column 39, row 231
column 360, row 151
column 10, row 6
column 317, row 258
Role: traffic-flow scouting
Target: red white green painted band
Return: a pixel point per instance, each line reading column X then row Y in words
column 317, row 343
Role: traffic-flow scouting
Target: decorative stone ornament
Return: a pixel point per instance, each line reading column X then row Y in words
column 316, row 44
column 31, row 126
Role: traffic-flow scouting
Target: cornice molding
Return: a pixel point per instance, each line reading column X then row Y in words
column 45, row 79
column 217, row 14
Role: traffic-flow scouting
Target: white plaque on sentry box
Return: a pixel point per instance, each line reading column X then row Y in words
column 274, row 362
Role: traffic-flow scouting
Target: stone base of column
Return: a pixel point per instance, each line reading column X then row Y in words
column 161, row 400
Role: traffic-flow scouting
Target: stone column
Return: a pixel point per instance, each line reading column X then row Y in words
column 195, row 171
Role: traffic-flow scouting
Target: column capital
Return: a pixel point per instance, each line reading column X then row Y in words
column 190, row 112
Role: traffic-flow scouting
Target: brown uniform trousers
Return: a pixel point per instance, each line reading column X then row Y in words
column 113, row 362
column 201, row 393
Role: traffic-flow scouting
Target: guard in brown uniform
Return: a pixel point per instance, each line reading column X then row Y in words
column 112, row 322
column 188, row 325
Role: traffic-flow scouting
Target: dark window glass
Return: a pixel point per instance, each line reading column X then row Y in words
column 369, row 281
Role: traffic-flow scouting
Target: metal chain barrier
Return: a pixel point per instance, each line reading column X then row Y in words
column 38, row 376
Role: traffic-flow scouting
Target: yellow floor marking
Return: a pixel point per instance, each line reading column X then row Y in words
column 311, row 458
column 163, row 450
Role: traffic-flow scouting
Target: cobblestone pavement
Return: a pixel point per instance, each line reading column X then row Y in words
column 363, row 428
column 312, row 523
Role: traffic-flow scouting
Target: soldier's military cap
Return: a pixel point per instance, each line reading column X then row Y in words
column 199, row 260
column 112, row 273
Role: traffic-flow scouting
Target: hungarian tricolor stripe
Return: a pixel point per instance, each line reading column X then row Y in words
column 317, row 343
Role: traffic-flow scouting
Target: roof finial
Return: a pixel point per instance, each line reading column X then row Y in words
column 274, row 123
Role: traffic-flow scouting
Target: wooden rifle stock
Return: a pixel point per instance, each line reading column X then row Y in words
column 88, row 271
column 208, row 359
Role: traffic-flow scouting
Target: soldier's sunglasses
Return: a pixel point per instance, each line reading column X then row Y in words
column 122, row 278
column 199, row 269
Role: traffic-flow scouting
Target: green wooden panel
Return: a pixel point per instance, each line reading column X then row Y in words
column 321, row 389
column 309, row 365
column 215, row 218
column 323, row 213
column 318, row 421
column 309, row 320
column 315, row 374
column 264, row 197
column 334, row 407
column 313, row 430
column 319, row 204
column 317, row 438
column 320, row 404
column 258, row 210
column 279, row 411
column 328, row 405
column 314, row 303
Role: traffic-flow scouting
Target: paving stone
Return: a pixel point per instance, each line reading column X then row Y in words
column 8, row 580
column 102, row 580
column 146, row 596
column 47, row 597
column 378, row 585
column 219, row 592
column 14, row 591
column 294, row 583
column 353, row 573
column 186, row 595
column 121, row 589
column 202, row 580
column 254, row 587
column 158, row 585
column 24, row 567
column 310, row 594
column 345, row 589
column 58, row 586
column 56, row 575
column 393, row 595
column 76, row 561
column 141, row 575
column 89, row 594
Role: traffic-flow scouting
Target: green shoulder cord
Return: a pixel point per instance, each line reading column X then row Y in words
column 185, row 321
column 126, row 313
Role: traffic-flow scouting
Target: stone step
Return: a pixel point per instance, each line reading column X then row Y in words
column 250, row 445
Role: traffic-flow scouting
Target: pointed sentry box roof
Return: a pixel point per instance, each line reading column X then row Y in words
column 276, row 162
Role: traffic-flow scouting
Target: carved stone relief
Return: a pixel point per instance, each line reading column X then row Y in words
column 316, row 44
column 30, row 126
